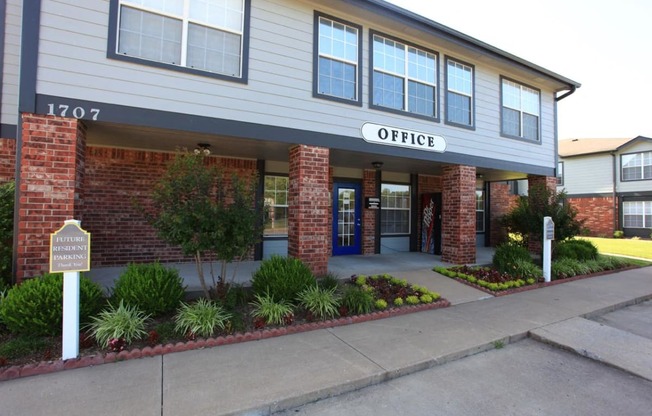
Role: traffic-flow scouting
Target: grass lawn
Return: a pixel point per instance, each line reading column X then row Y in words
column 622, row 246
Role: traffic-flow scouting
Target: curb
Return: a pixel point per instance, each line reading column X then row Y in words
column 45, row 367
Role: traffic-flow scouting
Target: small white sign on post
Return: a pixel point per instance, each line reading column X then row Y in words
column 548, row 236
column 70, row 249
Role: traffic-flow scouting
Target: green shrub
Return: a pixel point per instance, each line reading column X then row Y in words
column 322, row 303
column 581, row 250
column 200, row 319
column 531, row 281
column 152, row 288
column 358, row 301
column 594, row 266
column 36, row 306
column 398, row 302
column 272, row 311
column 23, row 345
column 507, row 255
column 236, row 296
column 381, row 304
column 124, row 322
column 619, row 234
column 426, row 298
column 563, row 268
column 282, row 278
column 611, row 262
column 328, row 281
column 7, row 192
column 361, row 280
column 412, row 300
column 526, row 269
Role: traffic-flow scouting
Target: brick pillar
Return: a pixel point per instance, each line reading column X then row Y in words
column 458, row 214
column 369, row 186
column 51, row 175
column 308, row 212
column 501, row 202
column 535, row 245
column 7, row 160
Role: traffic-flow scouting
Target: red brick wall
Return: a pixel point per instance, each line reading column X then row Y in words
column 369, row 215
column 117, row 181
column 52, row 163
column 308, row 211
column 427, row 185
column 501, row 202
column 458, row 215
column 598, row 213
column 7, row 160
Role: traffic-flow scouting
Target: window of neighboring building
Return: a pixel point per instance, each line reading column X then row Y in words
column 338, row 60
column 459, row 93
column 395, row 209
column 637, row 214
column 404, row 78
column 636, row 166
column 479, row 211
column 560, row 173
column 276, row 206
column 520, row 110
column 205, row 36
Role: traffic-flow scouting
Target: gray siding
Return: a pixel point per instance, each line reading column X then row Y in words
column 73, row 64
column 389, row 245
column 10, row 70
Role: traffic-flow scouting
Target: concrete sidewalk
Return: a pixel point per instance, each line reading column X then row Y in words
column 260, row 377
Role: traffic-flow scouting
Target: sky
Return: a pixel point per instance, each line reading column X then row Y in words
column 605, row 45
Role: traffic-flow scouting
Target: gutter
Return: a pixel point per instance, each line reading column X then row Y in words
column 613, row 193
column 573, row 88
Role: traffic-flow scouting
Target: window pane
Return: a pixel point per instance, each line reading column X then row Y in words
column 276, row 210
column 149, row 36
column 530, row 102
column 226, row 14
column 167, row 6
column 389, row 55
column 530, row 127
column 213, row 50
column 511, row 95
column 421, row 99
column 395, row 205
column 459, row 108
column 511, row 122
column 388, row 91
column 459, row 78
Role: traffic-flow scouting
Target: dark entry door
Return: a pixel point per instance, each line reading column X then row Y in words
column 347, row 218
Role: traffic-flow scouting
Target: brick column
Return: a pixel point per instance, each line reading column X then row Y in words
column 51, row 175
column 501, row 202
column 7, row 160
column 308, row 212
column 369, row 186
column 458, row 214
column 550, row 182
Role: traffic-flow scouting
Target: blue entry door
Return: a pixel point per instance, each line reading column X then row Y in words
column 347, row 218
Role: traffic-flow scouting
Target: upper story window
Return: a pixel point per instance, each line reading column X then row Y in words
column 636, row 166
column 338, row 59
column 404, row 78
column 520, row 110
column 560, row 173
column 459, row 93
column 201, row 36
column 395, row 209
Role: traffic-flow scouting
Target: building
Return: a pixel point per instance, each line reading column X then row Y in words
column 609, row 181
column 365, row 121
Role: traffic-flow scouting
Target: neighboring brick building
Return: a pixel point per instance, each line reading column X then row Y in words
column 609, row 181
column 373, row 129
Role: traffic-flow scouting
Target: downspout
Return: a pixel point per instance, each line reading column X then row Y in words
column 573, row 88
column 613, row 192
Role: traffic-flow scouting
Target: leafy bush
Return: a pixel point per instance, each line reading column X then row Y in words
column 7, row 192
column 322, row 303
column 357, row 300
column 282, row 278
column 22, row 345
column 152, row 288
column 201, row 319
column 594, row 266
column 525, row 269
column 272, row 311
column 36, row 306
column 581, row 250
column 381, row 304
column 563, row 268
column 328, row 281
column 507, row 254
column 619, row 234
column 412, row 300
column 611, row 263
column 398, row 302
column 125, row 322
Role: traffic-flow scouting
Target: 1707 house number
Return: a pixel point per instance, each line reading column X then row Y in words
column 64, row 110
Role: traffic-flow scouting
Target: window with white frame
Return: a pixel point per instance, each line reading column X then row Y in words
column 459, row 93
column 637, row 214
column 203, row 35
column 479, row 211
column 339, row 59
column 404, row 77
column 276, row 206
column 636, row 166
column 395, row 209
column 520, row 110
column 560, row 173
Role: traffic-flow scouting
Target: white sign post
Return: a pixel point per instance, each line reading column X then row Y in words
column 70, row 250
column 548, row 236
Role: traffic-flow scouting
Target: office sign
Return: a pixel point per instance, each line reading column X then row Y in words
column 394, row 136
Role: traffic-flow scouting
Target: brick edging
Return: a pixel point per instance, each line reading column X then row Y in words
column 45, row 367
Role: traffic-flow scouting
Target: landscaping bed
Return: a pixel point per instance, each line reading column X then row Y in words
column 23, row 355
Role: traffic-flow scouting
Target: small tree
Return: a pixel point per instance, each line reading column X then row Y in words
column 526, row 218
column 7, row 191
column 194, row 209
